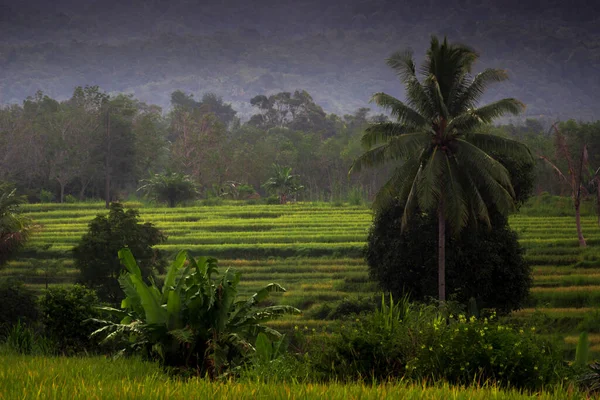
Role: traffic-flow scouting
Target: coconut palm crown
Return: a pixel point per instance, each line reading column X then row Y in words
column 442, row 158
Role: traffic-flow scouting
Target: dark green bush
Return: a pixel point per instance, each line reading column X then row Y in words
column 96, row 254
column 18, row 304
column 402, row 340
column 476, row 261
column 467, row 351
column 64, row 314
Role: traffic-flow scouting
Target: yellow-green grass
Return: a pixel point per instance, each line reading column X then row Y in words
column 29, row 377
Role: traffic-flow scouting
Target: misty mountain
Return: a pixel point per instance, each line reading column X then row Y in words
column 336, row 51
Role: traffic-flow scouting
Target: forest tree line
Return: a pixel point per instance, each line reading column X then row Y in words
column 93, row 144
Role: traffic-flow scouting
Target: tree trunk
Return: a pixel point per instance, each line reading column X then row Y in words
column 62, row 192
column 107, row 165
column 598, row 201
column 578, row 223
column 441, row 253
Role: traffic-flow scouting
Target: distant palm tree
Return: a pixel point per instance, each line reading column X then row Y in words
column 171, row 187
column 283, row 183
column 14, row 228
column 443, row 161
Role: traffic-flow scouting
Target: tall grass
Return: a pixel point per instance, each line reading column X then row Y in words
column 26, row 377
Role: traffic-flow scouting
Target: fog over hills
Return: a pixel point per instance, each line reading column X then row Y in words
column 334, row 50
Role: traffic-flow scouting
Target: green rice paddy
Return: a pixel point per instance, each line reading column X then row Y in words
column 315, row 251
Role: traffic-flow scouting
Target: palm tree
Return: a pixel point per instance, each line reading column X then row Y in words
column 14, row 228
column 171, row 187
column 443, row 161
column 283, row 183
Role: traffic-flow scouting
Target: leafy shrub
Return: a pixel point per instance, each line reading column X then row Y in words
column 19, row 305
column 466, row 351
column 46, row 196
column 23, row 339
column 422, row 342
column 70, row 199
column 194, row 322
column 96, row 254
column 476, row 260
column 375, row 346
column 356, row 196
column 64, row 314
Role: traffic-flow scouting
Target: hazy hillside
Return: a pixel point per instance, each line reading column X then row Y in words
column 336, row 52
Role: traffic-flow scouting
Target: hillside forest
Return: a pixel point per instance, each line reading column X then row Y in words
column 100, row 146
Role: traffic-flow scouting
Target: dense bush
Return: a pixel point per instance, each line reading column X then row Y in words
column 374, row 346
column 96, row 254
column 64, row 315
column 18, row 304
column 419, row 342
column 476, row 261
column 466, row 351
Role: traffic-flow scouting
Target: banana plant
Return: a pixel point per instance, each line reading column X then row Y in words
column 195, row 320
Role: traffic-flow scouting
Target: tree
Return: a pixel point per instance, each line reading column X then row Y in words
column 576, row 170
column 171, row 187
column 193, row 321
column 96, row 254
column 14, row 227
column 405, row 263
column 443, row 162
column 283, row 183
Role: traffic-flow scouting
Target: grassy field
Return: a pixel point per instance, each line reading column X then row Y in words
column 30, row 377
column 315, row 252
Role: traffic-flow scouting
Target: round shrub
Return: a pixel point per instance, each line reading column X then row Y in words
column 64, row 314
column 484, row 264
column 96, row 255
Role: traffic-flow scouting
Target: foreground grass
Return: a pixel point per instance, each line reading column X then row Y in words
column 31, row 377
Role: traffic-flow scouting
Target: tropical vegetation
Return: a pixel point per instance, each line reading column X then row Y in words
column 443, row 161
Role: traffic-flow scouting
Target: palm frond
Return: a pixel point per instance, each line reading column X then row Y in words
column 402, row 62
column 455, row 203
column 430, row 185
column 397, row 148
column 491, row 143
column 398, row 185
column 471, row 93
column 403, row 113
column 382, row 132
column 497, row 109
column 478, row 159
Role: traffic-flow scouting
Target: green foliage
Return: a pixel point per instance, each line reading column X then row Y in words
column 15, row 229
column 442, row 162
column 70, row 199
column 405, row 263
column 171, row 188
column 420, row 342
column 283, row 183
column 194, row 321
column 96, row 254
column 64, row 315
column 46, row 196
column 20, row 338
column 582, row 352
column 19, row 305
column 466, row 351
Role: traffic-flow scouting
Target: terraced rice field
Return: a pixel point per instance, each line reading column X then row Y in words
column 315, row 252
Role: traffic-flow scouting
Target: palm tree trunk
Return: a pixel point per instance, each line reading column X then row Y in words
column 441, row 253
column 578, row 223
